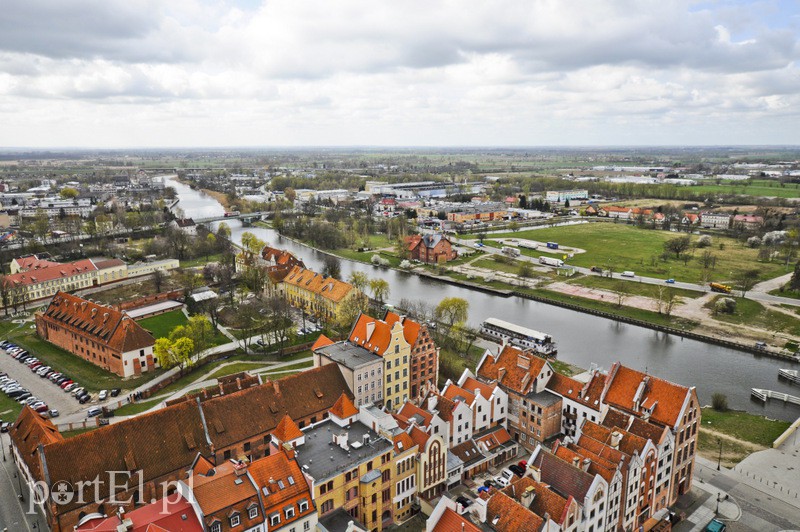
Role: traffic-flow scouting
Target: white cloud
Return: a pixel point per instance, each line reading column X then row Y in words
column 100, row 72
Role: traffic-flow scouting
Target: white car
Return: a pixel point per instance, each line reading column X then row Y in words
column 103, row 395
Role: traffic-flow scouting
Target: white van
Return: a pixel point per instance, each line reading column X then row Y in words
column 628, row 274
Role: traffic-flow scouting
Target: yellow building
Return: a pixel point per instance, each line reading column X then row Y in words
column 404, row 487
column 351, row 467
column 387, row 341
column 319, row 296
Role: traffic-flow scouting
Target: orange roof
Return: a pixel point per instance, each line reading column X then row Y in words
column 454, row 392
column 379, row 337
column 587, row 394
column 545, row 501
column 667, row 397
column 344, row 408
column 408, row 410
column 282, row 483
column 486, row 390
column 28, row 431
column 410, row 327
column 628, row 444
column 402, row 443
column 108, row 326
column 505, row 514
column 495, row 438
column 326, row 287
column 450, row 521
column 287, row 430
column 418, row 436
column 520, row 369
column 221, row 490
column 321, row 342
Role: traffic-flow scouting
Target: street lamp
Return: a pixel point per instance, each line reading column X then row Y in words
column 719, row 457
column 3, row 446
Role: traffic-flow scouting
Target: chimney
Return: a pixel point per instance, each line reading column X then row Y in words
column 536, row 473
column 432, row 400
column 616, row 437
column 527, row 497
column 586, row 464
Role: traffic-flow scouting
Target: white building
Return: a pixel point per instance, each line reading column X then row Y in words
column 560, row 196
column 715, row 220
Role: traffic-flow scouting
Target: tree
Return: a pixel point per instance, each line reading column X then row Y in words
column 332, row 267
column 451, row 310
column 158, row 279
column 566, row 204
column 5, row 292
column 514, row 226
column 677, row 245
column 525, row 270
column 523, row 201
column 359, row 280
column 379, row 289
column 289, row 194
column 620, row 292
column 704, row 241
column 794, row 282
column 171, row 353
column 746, row 280
column 68, row 193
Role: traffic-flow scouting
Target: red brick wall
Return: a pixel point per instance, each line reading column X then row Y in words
column 149, row 300
column 424, row 362
column 79, row 344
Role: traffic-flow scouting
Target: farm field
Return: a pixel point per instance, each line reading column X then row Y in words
column 625, row 247
column 756, row 187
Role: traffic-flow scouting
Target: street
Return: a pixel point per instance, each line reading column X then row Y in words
column 12, row 509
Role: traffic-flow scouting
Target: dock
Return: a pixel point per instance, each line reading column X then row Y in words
column 765, row 395
column 792, row 375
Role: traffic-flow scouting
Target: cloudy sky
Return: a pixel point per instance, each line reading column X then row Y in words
column 130, row 73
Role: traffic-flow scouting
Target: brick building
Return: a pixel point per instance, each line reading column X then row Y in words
column 432, row 249
column 424, row 370
column 101, row 335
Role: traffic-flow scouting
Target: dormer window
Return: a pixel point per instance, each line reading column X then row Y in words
column 216, row 527
column 289, row 512
column 252, row 513
column 235, row 520
column 275, row 519
column 303, row 505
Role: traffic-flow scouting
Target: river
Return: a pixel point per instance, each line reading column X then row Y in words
column 583, row 339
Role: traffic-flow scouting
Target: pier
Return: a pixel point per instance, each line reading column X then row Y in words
column 792, row 375
column 765, row 395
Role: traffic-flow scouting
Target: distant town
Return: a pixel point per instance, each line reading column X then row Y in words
column 368, row 340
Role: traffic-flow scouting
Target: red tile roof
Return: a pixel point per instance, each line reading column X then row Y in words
column 221, row 490
column 408, row 410
column 628, row 443
column 450, row 521
column 42, row 271
column 321, row 342
column 545, row 502
column 106, row 325
column 403, row 442
column 486, row 390
column 378, row 340
column 344, row 408
column 668, row 397
column 410, row 327
column 512, row 368
column 418, row 436
column 326, row 287
column 28, row 431
column 287, row 430
column 455, row 392
column 566, row 479
column 281, row 468
column 494, row 439
column 505, row 514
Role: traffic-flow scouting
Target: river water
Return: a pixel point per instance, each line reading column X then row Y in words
column 583, row 339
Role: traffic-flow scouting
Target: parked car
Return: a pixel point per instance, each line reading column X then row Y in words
column 94, row 411
column 115, row 392
column 68, row 386
column 103, row 395
column 463, row 501
column 670, row 281
column 40, row 407
column 5, row 426
column 54, row 413
column 596, row 269
column 517, row 470
column 502, row 482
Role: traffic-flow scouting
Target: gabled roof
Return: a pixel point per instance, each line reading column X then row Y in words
column 418, row 436
column 667, row 398
column 402, row 442
column 178, row 517
column 42, row 271
column 545, row 501
column 371, row 333
column 445, row 407
column 223, row 489
column 450, row 521
column 325, row 287
column 281, row 482
column 344, row 408
column 586, row 460
column 322, row 341
column 106, row 325
column 28, row 431
column 411, row 328
column 409, row 411
column 486, row 390
column 468, row 452
column 628, row 443
column 494, row 438
column 455, row 393
column 566, row 479
column 504, row 514
column 509, row 369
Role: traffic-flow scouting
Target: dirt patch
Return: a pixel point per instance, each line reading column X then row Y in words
column 640, row 302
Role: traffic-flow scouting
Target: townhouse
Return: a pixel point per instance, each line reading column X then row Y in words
column 319, row 296
column 362, row 369
column 456, row 413
column 424, row 369
column 445, row 518
column 491, row 401
column 534, row 412
column 104, row 336
column 580, row 401
column 431, row 249
column 387, row 340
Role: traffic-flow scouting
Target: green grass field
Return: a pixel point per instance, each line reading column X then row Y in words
column 624, row 247
column 137, row 408
column 638, row 289
column 752, row 313
column 200, row 261
column 756, row 187
column 744, row 426
column 160, row 326
column 9, row 409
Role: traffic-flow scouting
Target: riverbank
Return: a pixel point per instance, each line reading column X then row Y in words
column 219, row 197
column 686, row 328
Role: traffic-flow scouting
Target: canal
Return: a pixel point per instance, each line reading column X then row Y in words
column 583, row 339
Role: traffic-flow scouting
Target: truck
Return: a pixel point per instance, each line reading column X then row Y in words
column 552, row 245
column 719, row 287
column 511, row 252
column 628, row 273
column 550, row 261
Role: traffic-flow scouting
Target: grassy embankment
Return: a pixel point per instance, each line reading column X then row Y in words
column 739, row 433
column 160, row 326
column 625, row 247
column 754, row 314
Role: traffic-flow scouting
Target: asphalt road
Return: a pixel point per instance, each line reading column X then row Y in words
column 12, row 509
column 44, row 389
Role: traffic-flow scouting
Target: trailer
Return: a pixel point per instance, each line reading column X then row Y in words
column 550, row 261
column 552, row 245
column 511, row 252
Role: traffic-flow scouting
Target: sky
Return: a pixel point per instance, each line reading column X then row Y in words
column 206, row 73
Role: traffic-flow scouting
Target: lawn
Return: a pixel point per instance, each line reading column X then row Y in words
column 160, row 326
column 625, row 247
column 757, row 187
column 236, row 367
column 9, row 409
column 744, row 426
column 91, row 377
column 749, row 312
column 201, row 261
column 637, row 289
column 137, row 408
column 509, row 266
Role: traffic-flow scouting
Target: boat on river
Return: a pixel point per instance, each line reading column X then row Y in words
column 497, row 329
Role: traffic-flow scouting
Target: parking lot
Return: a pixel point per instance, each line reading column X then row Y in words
column 44, row 389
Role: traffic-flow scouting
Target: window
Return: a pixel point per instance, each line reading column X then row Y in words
column 216, row 527
column 275, row 518
column 235, row 520
column 306, row 526
column 303, row 505
column 288, row 512
column 247, row 446
column 252, row 513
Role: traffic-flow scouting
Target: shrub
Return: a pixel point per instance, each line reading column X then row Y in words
column 377, row 260
column 405, row 264
column 773, row 238
column 704, row 241
column 753, row 242
column 725, row 305
column 719, row 402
